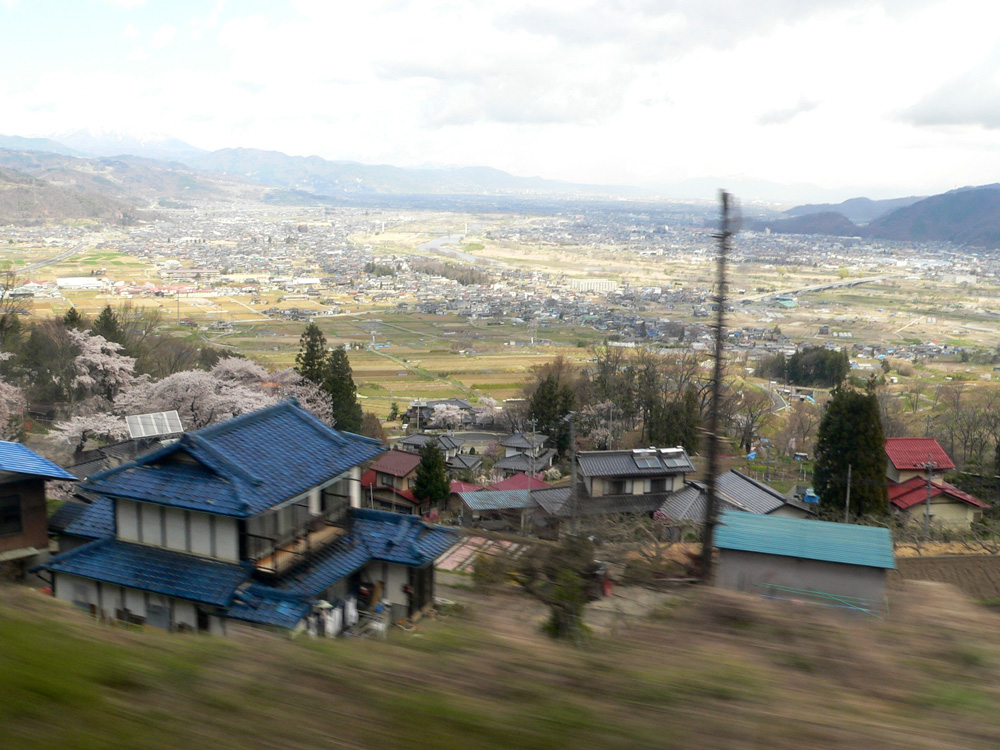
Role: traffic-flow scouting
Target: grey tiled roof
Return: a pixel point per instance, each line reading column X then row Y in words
column 735, row 491
column 658, row 462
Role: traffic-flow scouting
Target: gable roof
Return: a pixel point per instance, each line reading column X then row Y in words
column 20, row 459
column 735, row 490
column 524, row 462
column 688, row 504
column 420, row 439
column 633, row 463
column 913, row 491
column 396, row 463
column 242, row 466
column 869, row 546
column 908, row 454
column 524, row 440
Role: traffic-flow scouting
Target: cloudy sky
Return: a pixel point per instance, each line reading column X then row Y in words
column 897, row 97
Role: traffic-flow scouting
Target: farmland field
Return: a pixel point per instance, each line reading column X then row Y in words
column 976, row 575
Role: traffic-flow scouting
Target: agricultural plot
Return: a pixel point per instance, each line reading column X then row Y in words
column 978, row 576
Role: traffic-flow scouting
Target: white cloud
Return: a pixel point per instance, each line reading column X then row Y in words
column 601, row 91
column 163, row 36
column 128, row 3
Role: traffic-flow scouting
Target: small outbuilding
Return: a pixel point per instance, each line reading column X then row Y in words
column 834, row 564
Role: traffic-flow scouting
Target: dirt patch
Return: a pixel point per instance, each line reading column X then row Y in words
column 978, row 576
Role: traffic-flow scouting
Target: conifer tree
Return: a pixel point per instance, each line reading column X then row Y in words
column 310, row 362
column 850, row 434
column 431, row 484
column 73, row 319
column 107, row 325
column 338, row 381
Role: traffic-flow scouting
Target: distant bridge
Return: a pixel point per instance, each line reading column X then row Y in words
column 816, row 288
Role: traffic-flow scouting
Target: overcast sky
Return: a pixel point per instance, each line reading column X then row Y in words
column 898, row 97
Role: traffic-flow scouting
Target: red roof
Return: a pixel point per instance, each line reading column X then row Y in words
column 396, row 463
column 909, row 454
column 368, row 479
column 457, row 486
column 519, row 482
column 913, row 491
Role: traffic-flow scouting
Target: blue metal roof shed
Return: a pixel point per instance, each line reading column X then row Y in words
column 868, row 546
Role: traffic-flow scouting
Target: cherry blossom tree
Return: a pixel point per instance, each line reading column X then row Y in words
column 99, row 369
column 12, row 404
column 447, row 416
column 199, row 397
column 487, row 412
column 77, row 431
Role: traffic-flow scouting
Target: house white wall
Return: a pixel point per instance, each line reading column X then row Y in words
column 355, row 486
column 395, row 577
column 181, row 530
column 107, row 599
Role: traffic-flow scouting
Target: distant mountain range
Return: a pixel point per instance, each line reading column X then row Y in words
column 967, row 216
column 168, row 172
column 857, row 210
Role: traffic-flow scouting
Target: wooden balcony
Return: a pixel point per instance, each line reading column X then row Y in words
column 299, row 550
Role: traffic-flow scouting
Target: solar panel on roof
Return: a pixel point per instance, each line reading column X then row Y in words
column 157, row 423
column 647, row 462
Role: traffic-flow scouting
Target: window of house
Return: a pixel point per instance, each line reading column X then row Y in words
column 614, row 486
column 656, row 485
column 10, row 515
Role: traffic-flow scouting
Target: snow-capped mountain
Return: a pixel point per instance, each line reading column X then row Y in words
column 106, row 142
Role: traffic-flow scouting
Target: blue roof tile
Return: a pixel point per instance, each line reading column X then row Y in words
column 340, row 559
column 242, row 466
column 870, row 546
column 160, row 571
column 375, row 535
column 267, row 606
column 398, row 538
column 96, row 521
column 20, row 459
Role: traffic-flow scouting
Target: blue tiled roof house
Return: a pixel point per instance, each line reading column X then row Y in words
column 254, row 520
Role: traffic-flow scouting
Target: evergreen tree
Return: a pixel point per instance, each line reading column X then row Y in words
column 310, row 362
column 431, row 484
column 850, row 434
column 676, row 422
column 338, row 381
column 73, row 319
column 393, row 412
column 107, row 325
column 549, row 404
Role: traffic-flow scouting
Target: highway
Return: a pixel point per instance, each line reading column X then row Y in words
column 54, row 259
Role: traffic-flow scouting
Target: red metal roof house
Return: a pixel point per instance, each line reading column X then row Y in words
column 916, row 479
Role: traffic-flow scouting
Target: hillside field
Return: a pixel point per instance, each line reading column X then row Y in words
column 712, row 669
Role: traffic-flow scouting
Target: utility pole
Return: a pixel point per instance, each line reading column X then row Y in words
column 708, row 534
column 574, row 496
column 927, row 505
column 531, row 469
column 847, row 505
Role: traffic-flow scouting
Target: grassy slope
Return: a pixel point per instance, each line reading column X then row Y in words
column 720, row 670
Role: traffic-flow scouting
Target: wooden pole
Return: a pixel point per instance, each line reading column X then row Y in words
column 708, row 533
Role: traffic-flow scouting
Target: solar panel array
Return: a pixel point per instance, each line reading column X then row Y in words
column 647, row 462
column 151, row 425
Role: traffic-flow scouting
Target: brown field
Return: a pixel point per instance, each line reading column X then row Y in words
column 978, row 576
